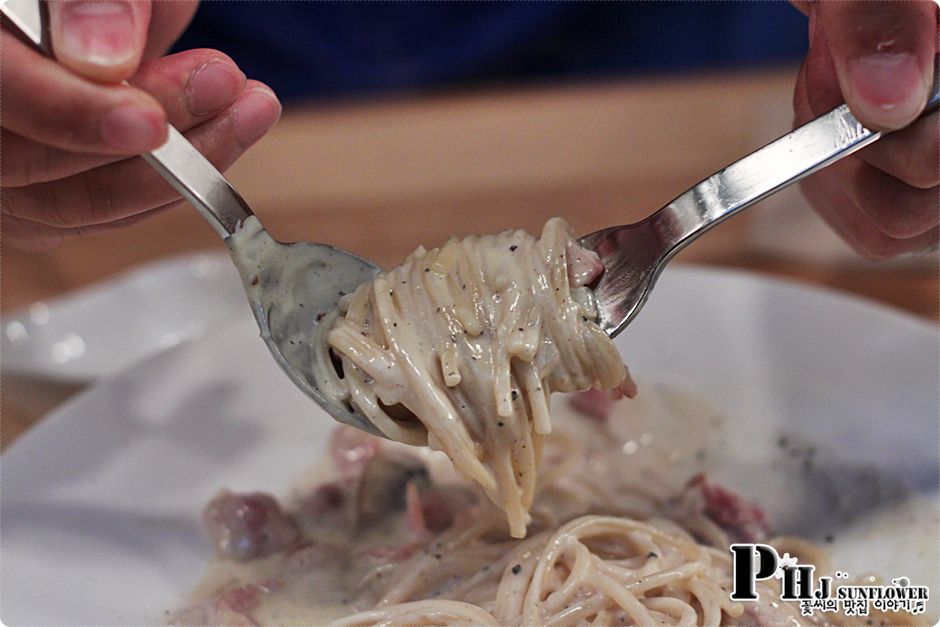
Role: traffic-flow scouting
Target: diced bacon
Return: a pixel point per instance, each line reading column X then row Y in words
column 439, row 509
column 740, row 518
column 432, row 510
column 243, row 598
column 627, row 388
column 247, row 526
column 326, row 499
column 592, row 403
column 324, row 507
column 351, row 450
column 598, row 404
column 584, row 266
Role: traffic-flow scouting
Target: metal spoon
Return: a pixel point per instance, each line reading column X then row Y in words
column 311, row 275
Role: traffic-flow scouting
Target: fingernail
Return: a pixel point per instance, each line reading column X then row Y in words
column 213, row 86
column 133, row 129
column 255, row 113
column 888, row 88
column 100, row 32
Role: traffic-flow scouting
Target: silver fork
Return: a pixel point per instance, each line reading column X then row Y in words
column 634, row 254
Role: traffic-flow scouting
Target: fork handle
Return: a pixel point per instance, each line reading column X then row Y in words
column 177, row 160
column 798, row 154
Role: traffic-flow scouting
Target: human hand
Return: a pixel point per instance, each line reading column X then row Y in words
column 70, row 129
column 877, row 57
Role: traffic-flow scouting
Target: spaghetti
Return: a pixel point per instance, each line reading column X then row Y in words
column 461, row 346
column 611, row 542
column 459, row 349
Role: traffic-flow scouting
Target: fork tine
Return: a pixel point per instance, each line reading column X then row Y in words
column 632, row 256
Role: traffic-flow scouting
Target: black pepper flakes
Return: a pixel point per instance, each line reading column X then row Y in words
column 513, row 248
column 517, row 569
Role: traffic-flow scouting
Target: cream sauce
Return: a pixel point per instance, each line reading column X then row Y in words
column 291, row 288
column 655, row 443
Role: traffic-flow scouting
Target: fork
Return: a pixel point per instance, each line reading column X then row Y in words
column 634, row 254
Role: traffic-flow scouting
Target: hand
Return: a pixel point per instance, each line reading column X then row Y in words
column 877, row 56
column 70, row 129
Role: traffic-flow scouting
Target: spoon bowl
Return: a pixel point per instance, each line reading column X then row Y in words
column 292, row 290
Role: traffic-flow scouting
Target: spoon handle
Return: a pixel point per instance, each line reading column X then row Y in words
column 199, row 182
column 177, row 160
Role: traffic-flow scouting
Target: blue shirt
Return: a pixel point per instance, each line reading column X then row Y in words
column 317, row 50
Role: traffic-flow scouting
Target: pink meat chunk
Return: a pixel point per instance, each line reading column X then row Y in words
column 592, row 403
column 740, row 518
column 432, row 510
column 247, row 526
column 584, row 266
column 326, row 500
column 598, row 404
column 244, row 598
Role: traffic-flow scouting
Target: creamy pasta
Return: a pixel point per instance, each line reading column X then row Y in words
column 461, row 346
column 386, row 536
column 460, row 349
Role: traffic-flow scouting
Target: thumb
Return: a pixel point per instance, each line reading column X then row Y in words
column 102, row 40
column 883, row 57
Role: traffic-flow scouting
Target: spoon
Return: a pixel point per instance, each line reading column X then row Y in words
column 290, row 287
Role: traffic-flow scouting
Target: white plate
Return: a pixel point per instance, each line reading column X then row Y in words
column 101, row 501
column 101, row 330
